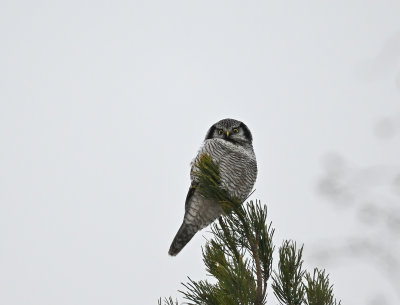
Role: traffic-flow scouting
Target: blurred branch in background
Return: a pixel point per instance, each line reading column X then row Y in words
column 372, row 195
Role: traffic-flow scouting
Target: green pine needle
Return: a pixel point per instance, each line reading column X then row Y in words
column 318, row 289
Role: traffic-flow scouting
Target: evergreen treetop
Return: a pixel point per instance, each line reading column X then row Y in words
column 239, row 257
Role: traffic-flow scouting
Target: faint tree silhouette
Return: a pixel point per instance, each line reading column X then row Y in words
column 372, row 195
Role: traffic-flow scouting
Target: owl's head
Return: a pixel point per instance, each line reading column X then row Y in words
column 230, row 130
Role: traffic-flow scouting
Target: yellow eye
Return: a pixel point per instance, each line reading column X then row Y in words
column 220, row 131
column 235, row 130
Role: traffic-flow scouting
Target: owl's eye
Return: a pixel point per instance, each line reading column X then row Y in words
column 235, row 130
column 220, row 131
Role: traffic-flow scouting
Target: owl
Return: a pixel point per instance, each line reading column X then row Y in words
column 230, row 144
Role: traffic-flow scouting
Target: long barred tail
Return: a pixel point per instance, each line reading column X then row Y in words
column 184, row 235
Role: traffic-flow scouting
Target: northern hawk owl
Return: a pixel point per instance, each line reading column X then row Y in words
column 229, row 143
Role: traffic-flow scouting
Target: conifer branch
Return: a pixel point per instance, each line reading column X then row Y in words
column 288, row 280
column 318, row 289
column 168, row 301
column 229, row 239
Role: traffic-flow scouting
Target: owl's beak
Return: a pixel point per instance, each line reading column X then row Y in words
column 227, row 133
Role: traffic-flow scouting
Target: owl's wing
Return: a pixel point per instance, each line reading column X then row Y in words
column 190, row 194
column 193, row 220
column 199, row 212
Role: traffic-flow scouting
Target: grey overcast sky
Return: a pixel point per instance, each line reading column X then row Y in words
column 103, row 104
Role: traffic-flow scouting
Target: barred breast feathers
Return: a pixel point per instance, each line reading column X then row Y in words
column 238, row 171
